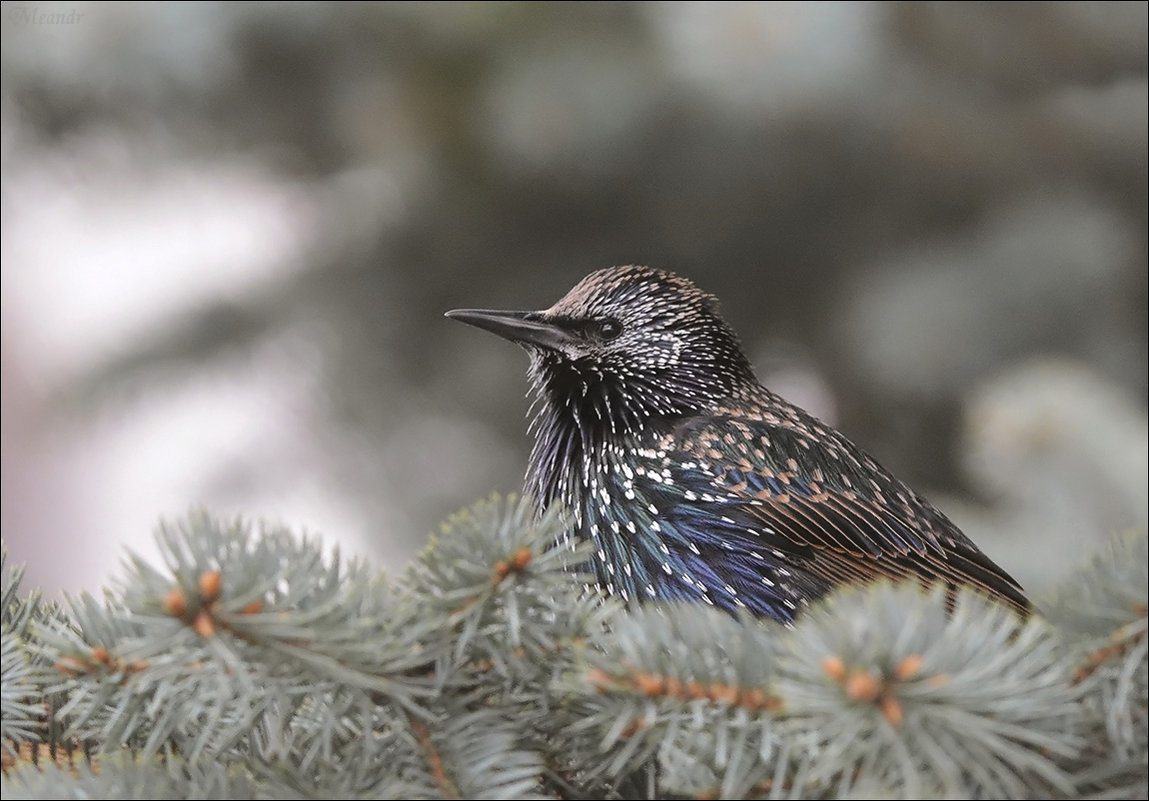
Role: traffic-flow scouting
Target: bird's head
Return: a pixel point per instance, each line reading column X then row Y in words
column 626, row 344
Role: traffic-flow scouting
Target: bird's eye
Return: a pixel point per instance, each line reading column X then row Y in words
column 609, row 329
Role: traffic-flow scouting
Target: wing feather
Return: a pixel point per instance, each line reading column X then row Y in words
column 856, row 523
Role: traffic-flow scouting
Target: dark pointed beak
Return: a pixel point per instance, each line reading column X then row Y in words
column 525, row 328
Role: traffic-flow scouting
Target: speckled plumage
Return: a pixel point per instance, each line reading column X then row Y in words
column 693, row 480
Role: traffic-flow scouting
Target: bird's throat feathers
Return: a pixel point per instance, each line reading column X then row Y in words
column 581, row 417
column 588, row 408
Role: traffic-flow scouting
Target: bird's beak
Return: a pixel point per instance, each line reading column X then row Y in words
column 525, row 328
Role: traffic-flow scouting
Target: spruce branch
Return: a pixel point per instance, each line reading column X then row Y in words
column 685, row 685
column 237, row 631
column 19, row 694
column 877, row 687
column 16, row 612
column 25, row 717
column 926, row 701
column 125, row 776
column 254, row 663
column 494, row 573
column 1102, row 610
column 515, row 617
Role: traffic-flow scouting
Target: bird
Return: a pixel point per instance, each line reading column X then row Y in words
column 697, row 483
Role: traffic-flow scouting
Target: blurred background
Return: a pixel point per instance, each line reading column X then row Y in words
column 230, row 230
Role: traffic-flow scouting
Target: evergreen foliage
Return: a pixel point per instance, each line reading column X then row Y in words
column 256, row 664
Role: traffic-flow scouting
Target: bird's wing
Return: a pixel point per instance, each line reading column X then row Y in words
column 814, row 502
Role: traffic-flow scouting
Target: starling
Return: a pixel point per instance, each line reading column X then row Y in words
column 693, row 480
